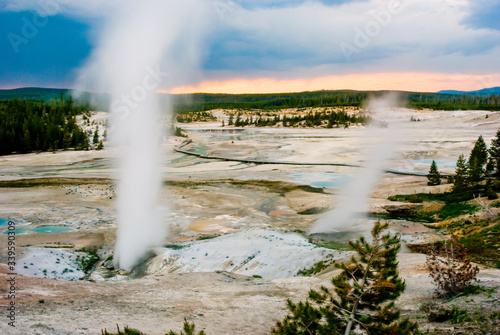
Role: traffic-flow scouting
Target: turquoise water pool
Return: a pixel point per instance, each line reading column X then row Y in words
column 4, row 222
column 320, row 179
column 41, row 230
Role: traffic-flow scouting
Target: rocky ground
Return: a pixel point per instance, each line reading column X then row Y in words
column 210, row 198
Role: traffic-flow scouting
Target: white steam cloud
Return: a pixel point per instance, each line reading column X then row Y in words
column 143, row 46
column 380, row 145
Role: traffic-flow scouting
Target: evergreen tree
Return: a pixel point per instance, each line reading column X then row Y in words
column 85, row 141
column 363, row 297
column 434, row 176
column 477, row 161
column 460, row 182
column 26, row 138
column 96, row 135
column 494, row 162
column 231, row 120
column 35, row 125
column 66, row 139
column 100, row 146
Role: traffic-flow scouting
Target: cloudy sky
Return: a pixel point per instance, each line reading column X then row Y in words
column 262, row 45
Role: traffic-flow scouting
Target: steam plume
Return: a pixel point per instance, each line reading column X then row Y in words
column 145, row 45
column 353, row 200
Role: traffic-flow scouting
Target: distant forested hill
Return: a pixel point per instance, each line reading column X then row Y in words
column 92, row 100
column 33, row 93
column 485, row 91
column 206, row 101
column 481, row 100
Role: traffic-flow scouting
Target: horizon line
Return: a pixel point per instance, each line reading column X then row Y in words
column 246, row 93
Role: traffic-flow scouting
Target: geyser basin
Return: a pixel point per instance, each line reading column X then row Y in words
column 261, row 252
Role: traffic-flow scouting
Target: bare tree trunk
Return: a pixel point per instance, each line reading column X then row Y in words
column 355, row 307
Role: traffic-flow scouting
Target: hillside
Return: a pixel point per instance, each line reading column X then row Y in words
column 208, row 101
column 485, row 91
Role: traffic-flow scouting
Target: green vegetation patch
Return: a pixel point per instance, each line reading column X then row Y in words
column 447, row 197
column 315, row 269
column 455, row 204
column 87, row 262
column 126, row 331
column 188, row 329
column 454, row 210
column 334, row 245
column 477, row 322
column 194, row 116
column 484, row 246
column 449, row 211
column 466, row 225
column 175, row 246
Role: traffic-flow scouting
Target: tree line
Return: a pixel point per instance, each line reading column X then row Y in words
column 276, row 101
column 483, row 164
column 41, row 126
column 310, row 119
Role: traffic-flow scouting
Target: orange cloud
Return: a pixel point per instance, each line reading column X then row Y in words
column 419, row 82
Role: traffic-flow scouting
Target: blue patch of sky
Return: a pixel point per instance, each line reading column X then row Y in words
column 483, row 14
column 40, row 52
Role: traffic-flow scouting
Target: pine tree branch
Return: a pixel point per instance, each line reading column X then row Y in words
column 365, row 277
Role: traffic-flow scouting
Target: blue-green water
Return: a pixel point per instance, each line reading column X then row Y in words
column 42, row 230
column 320, row 179
column 4, row 222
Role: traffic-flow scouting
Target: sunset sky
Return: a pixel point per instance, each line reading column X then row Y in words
column 251, row 46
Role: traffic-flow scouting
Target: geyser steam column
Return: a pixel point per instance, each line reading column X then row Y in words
column 145, row 46
column 381, row 142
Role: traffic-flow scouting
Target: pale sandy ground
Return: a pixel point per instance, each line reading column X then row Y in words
column 206, row 198
column 220, row 303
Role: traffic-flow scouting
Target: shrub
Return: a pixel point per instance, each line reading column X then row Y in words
column 126, row 331
column 450, row 268
column 188, row 329
column 315, row 269
column 443, row 314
